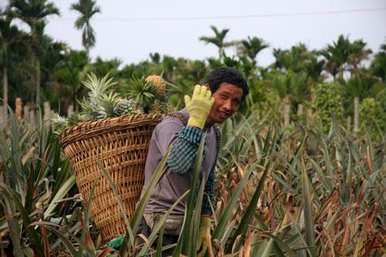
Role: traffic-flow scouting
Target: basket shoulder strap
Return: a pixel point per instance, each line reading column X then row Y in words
column 179, row 116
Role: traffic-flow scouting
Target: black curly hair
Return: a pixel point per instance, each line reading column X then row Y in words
column 228, row 75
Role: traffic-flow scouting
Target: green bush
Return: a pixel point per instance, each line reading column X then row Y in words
column 373, row 119
column 328, row 103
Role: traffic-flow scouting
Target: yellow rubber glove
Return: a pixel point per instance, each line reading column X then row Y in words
column 205, row 242
column 199, row 106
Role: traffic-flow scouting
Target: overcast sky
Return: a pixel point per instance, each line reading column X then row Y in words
column 130, row 30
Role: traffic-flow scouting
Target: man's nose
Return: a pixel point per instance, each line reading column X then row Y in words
column 228, row 105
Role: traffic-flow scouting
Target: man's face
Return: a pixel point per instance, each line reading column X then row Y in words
column 227, row 99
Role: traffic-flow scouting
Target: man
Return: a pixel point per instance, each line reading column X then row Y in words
column 209, row 105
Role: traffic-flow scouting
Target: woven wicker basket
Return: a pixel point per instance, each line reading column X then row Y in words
column 121, row 145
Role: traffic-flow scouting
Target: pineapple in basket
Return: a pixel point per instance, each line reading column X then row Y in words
column 159, row 105
column 134, row 97
column 158, row 82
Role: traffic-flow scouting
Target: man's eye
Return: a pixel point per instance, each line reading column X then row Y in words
column 237, row 102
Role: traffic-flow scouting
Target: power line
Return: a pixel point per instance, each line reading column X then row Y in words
column 237, row 17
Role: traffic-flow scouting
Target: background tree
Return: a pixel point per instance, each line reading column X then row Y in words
column 357, row 54
column 218, row 40
column 378, row 65
column 298, row 59
column 295, row 72
column 87, row 9
column 9, row 35
column 336, row 56
column 34, row 13
column 66, row 79
column 251, row 47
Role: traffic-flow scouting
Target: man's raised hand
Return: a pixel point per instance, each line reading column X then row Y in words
column 199, row 106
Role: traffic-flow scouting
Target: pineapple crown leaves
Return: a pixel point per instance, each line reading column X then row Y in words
column 142, row 92
column 98, row 86
column 108, row 102
column 59, row 123
column 101, row 101
column 102, row 108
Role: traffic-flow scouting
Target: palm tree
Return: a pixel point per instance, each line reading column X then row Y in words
column 357, row 54
column 336, row 56
column 87, row 9
column 218, row 40
column 252, row 47
column 33, row 13
column 299, row 59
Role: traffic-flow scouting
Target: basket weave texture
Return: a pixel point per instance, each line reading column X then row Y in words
column 120, row 144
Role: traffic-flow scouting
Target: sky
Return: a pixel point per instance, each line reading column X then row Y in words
column 130, row 30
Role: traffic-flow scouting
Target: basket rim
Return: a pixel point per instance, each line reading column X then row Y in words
column 88, row 129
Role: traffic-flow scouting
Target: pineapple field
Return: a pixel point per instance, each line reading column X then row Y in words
column 305, row 189
column 301, row 170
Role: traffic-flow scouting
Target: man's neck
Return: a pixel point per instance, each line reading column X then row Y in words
column 208, row 124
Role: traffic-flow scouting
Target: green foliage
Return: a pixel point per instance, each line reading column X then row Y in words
column 262, row 98
column 67, row 78
column 298, row 59
column 328, row 103
column 378, row 65
column 291, row 84
column 373, row 118
column 102, row 67
column 33, row 176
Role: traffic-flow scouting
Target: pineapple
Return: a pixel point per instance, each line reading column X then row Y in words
column 124, row 107
column 158, row 107
column 158, row 82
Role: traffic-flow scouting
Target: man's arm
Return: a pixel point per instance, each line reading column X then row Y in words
column 183, row 140
column 184, row 150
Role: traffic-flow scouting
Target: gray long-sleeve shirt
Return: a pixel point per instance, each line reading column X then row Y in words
column 174, row 184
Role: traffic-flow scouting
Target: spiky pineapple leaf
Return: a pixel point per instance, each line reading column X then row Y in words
column 98, row 86
column 143, row 93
